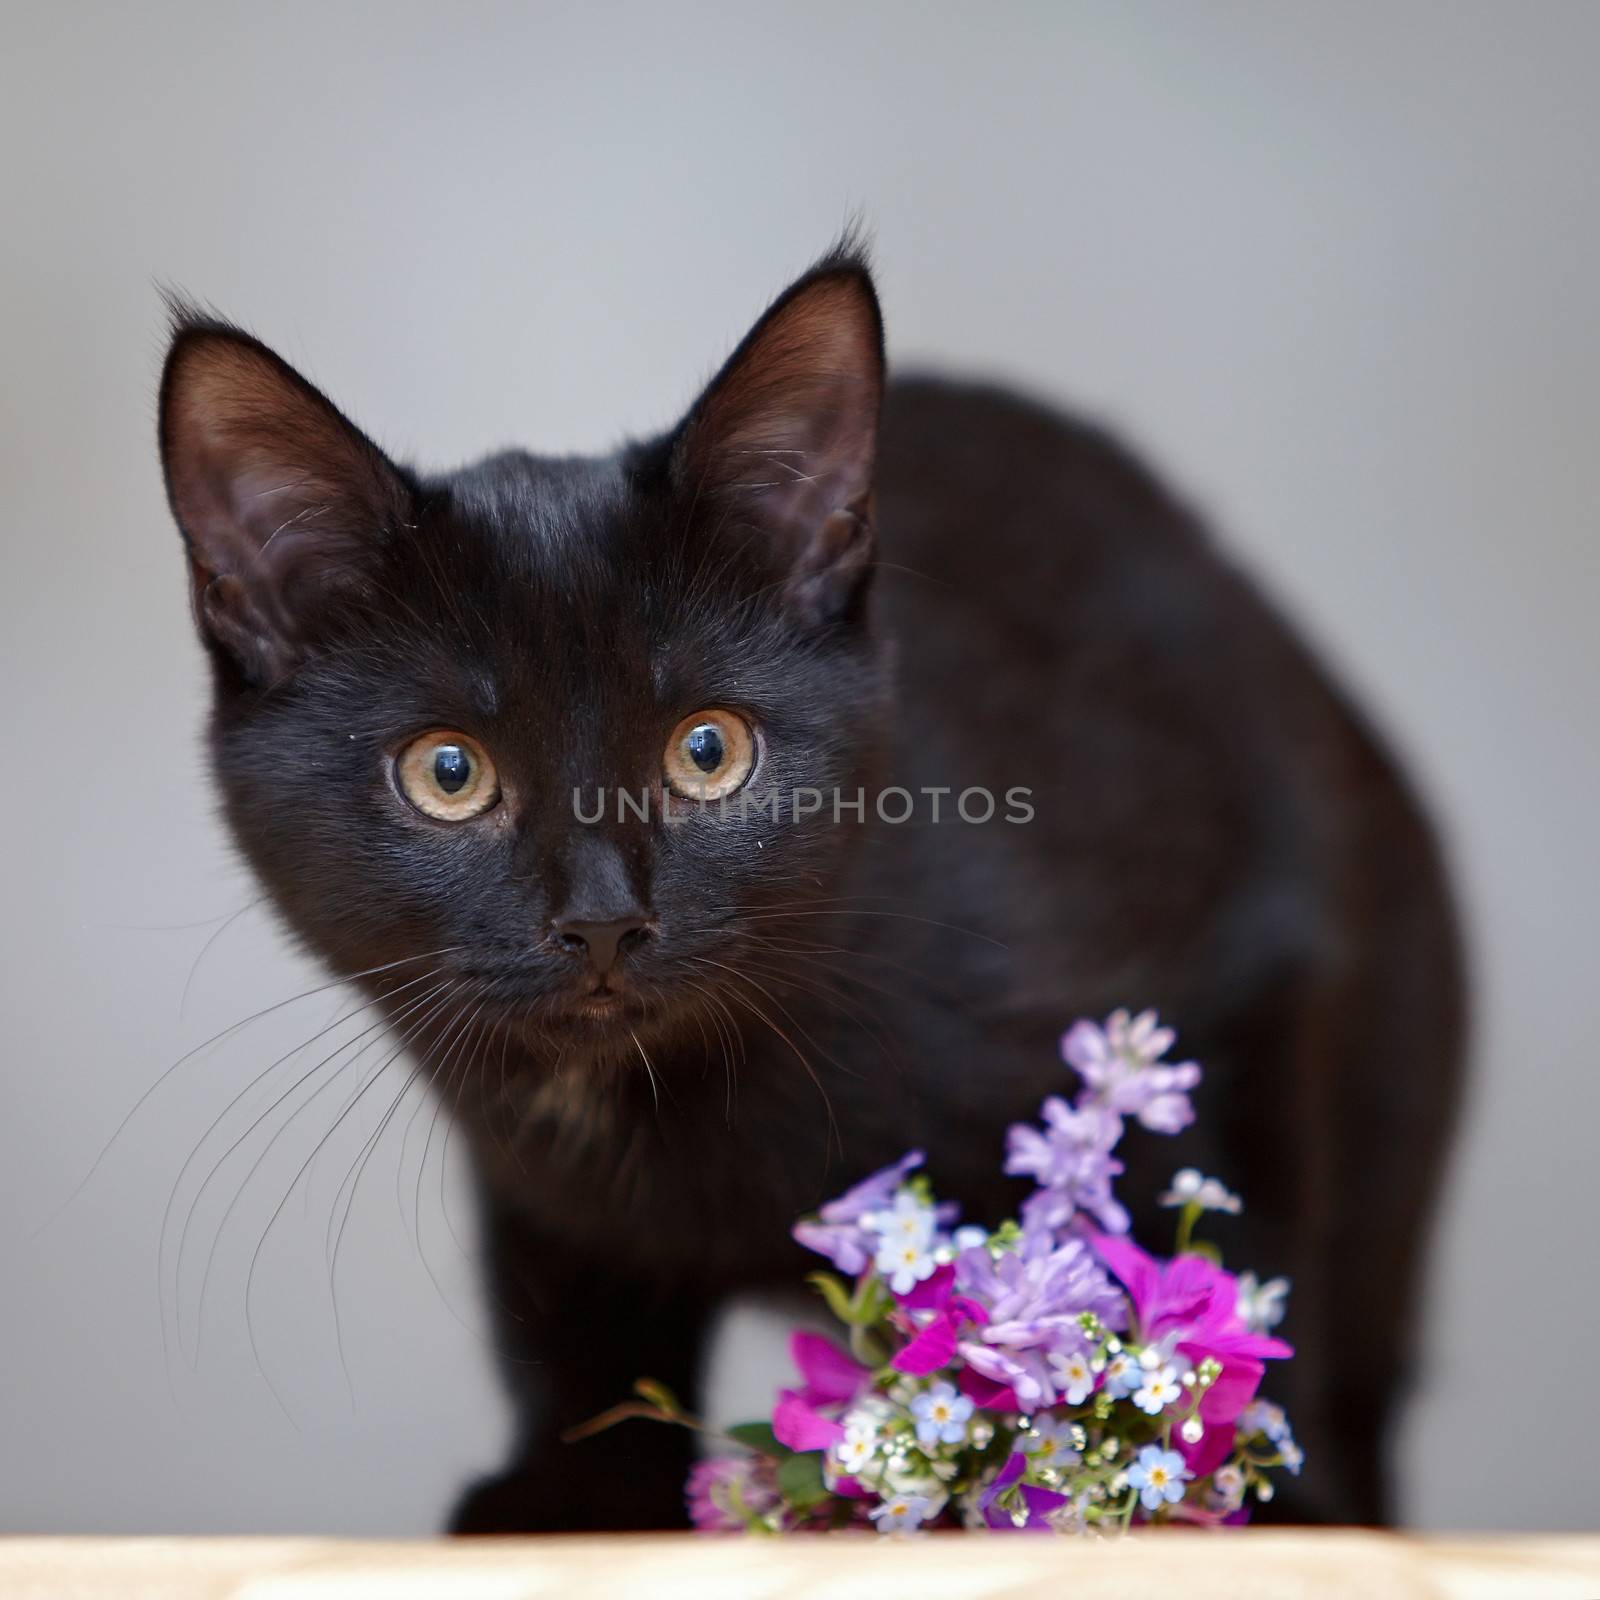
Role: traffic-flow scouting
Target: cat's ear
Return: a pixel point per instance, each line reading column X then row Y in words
column 282, row 503
column 784, row 437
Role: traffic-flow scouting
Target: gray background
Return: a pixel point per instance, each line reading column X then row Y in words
column 1334, row 267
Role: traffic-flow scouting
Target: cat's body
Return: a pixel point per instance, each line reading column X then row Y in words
column 1212, row 833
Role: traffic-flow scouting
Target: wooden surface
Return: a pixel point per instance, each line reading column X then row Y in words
column 1173, row 1566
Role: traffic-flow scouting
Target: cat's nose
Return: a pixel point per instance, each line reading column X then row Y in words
column 603, row 942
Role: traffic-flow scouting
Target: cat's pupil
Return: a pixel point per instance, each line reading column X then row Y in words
column 451, row 768
column 704, row 745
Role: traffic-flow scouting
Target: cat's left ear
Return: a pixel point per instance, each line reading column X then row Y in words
column 784, row 438
column 282, row 502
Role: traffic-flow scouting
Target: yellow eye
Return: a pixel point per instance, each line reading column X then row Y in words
column 709, row 755
column 447, row 776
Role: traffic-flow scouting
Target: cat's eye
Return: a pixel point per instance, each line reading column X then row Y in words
column 447, row 776
column 709, row 755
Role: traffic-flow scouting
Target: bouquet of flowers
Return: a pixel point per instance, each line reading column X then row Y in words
column 1044, row 1375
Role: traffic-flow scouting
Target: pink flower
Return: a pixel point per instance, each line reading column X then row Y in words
column 719, row 1483
column 1196, row 1303
column 829, row 1378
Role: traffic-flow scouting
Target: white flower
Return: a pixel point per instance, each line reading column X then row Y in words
column 1160, row 1388
column 1227, row 1484
column 941, row 1415
column 970, row 1238
column 855, row 1451
column 1191, row 1187
column 908, row 1221
column 901, row 1513
column 1261, row 1305
column 1050, row 1444
column 905, row 1263
column 1074, row 1377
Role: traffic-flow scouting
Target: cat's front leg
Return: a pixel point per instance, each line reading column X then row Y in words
column 573, row 1338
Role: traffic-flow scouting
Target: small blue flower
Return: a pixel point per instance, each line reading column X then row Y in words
column 1261, row 1416
column 1050, row 1443
column 901, row 1513
column 1158, row 1475
column 941, row 1414
column 1159, row 1389
column 1122, row 1375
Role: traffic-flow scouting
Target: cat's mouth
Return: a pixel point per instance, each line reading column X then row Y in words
column 605, row 1002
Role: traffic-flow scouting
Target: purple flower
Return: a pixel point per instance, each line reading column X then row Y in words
column 1033, row 1504
column 1034, row 1296
column 1122, row 1069
column 1071, row 1161
column 718, row 1486
column 840, row 1232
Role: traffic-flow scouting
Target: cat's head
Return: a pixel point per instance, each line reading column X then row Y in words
column 427, row 686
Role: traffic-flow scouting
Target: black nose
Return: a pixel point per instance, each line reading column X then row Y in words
column 604, row 941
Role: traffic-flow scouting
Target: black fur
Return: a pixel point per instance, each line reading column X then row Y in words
column 1215, row 833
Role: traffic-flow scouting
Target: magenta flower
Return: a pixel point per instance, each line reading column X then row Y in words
column 829, row 1379
column 985, row 1393
column 933, row 1342
column 1195, row 1304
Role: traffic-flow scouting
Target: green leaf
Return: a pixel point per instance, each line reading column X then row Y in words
column 835, row 1293
column 867, row 1347
column 870, row 1303
column 800, row 1480
column 758, row 1436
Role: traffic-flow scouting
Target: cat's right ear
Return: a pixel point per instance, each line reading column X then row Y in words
column 282, row 502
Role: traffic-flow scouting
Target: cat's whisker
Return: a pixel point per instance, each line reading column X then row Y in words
column 472, row 1038
column 217, row 1038
column 255, row 1257
column 644, row 1056
column 831, row 998
column 716, row 1009
column 455, row 1034
column 266, row 1072
column 205, row 949
column 734, row 994
column 365, row 1039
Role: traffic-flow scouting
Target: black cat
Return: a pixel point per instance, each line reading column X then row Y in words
column 478, row 734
